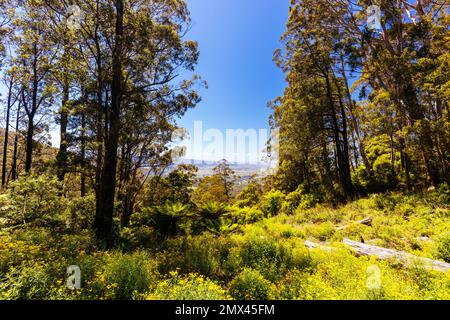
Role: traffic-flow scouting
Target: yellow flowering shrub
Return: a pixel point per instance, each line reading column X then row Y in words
column 188, row 287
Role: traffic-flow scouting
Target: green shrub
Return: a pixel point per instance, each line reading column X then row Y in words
column 442, row 194
column 200, row 255
column 140, row 233
column 443, row 248
column 291, row 287
column 249, row 196
column 292, row 200
column 323, row 231
column 307, row 202
column 301, row 259
column 168, row 218
column 129, row 274
column 386, row 202
column 214, row 257
column 81, row 213
column 249, row 285
column 127, row 239
column 272, row 202
column 247, row 215
column 214, row 217
column 232, row 262
column 212, row 210
column 33, row 200
column 361, row 179
column 27, row 282
column 298, row 200
column 13, row 252
column 93, row 282
column 190, row 287
column 266, row 256
column 404, row 209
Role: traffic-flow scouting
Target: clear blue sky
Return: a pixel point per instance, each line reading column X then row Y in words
column 237, row 39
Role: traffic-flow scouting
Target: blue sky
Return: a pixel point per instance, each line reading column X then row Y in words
column 237, row 39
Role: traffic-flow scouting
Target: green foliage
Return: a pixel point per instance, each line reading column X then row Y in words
column 323, row 231
column 384, row 175
column 137, row 236
column 442, row 194
column 249, row 196
column 26, row 282
column 298, row 200
column 212, row 210
column 214, row 217
column 272, row 202
column 265, row 255
column 307, row 202
column 247, row 215
column 249, row 285
column 81, row 213
column 291, row 287
column 211, row 256
column 129, row 275
column 385, row 201
column 216, row 188
column 262, row 260
column 176, row 187
column 293, row 200
column 190, row 287
column 167, row 219
column 33, row 200
column 443, row 248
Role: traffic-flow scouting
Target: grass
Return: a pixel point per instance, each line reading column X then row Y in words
column 262, row 260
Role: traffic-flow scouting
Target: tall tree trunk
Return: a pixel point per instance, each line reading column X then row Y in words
column 416, row 114
column 345, row 146
column 104, row 227
column 61, row 157
column 344, row 174
column 5, row 143
column 83, row 155
column 16, row 145
column 362, row 150
column 99, row 122
column 29, row 144
column 355, row 149
column 127, row 210
column 31, row 113
column 127, row 186
column 405, row 163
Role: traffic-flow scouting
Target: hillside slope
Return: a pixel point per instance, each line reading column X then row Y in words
column 270, row 259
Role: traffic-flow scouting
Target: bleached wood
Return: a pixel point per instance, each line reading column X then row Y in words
column 406, row 258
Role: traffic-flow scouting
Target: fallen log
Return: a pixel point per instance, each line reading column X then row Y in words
column 407, row 259
column 367, row 222
column 313, row 245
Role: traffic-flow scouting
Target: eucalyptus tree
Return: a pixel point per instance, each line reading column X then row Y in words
column 313, row 111
column 10, row 81
column 36, row 55
column 132, row 52
column 396, row 60
column 346, row 77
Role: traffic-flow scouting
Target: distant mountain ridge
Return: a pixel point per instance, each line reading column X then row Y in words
column 243, row 170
